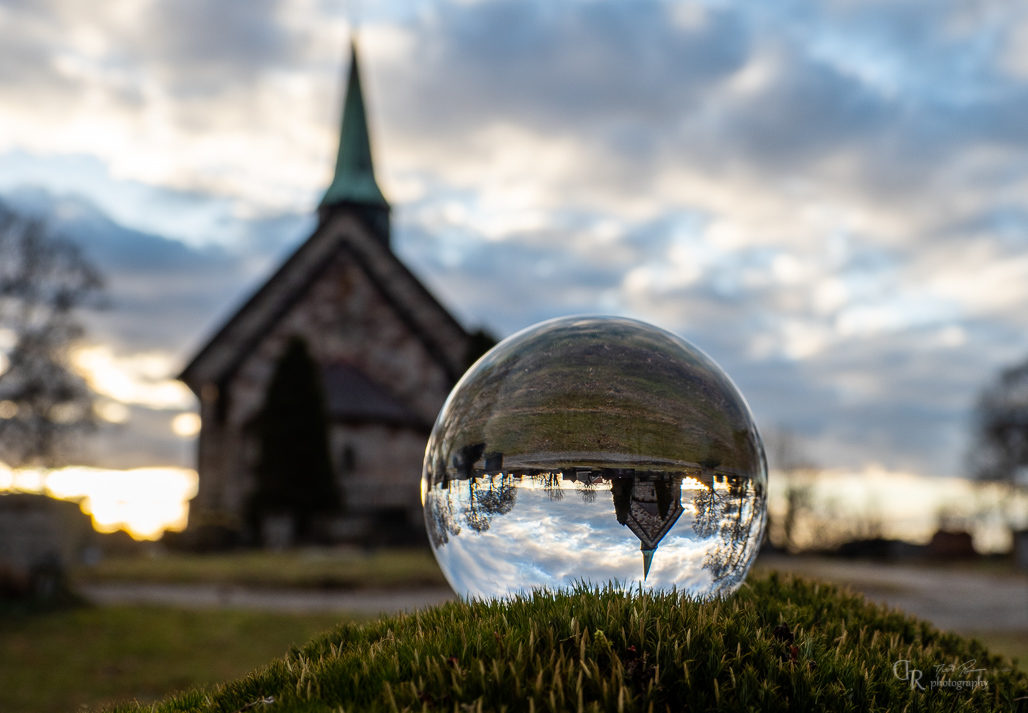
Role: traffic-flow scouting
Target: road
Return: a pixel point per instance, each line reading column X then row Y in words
column 200, row 596
column 953, row 598
column 956, row 599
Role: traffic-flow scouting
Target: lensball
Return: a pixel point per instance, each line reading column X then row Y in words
column 595, row 450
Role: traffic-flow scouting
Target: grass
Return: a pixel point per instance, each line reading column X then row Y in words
column 306, row 569
column 779, row 644
column 84, row 658
column 1012, row 645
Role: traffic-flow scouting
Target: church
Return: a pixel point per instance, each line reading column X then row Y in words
column 388, row 353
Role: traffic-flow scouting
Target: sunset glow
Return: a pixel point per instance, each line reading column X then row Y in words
column 905, row 506
column 186, row 425
column 142, row 501
column 144, row 379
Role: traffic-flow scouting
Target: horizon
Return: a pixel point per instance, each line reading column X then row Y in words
column 145, row 502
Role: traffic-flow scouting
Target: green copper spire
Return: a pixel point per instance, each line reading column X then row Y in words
column 647, row 561
column 354, row 180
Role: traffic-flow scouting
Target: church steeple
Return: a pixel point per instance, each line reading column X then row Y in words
column 354, row 182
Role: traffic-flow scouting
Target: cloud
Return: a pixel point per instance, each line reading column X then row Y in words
column 547, row 66
column 163, row 295
column 180, row 94
column 207, row 48
column 793, row 125
column 146, row 379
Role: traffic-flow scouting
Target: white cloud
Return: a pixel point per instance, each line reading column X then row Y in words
column 802, row 340
column 1015, row 53
column 144, row 378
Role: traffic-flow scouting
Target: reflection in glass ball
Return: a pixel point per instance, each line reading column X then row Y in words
column 598, row 450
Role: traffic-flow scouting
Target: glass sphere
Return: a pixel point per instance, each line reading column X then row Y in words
column 599, row 450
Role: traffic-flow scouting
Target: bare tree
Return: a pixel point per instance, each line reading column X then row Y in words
column 44, row 279
column 488, row 497
column 999, row 452
column 999, row 446
column 799, row 472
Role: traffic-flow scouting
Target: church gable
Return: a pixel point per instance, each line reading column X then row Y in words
column 350, row 326
column 441, row 335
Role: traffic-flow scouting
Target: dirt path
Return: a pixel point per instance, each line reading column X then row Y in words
column 199, row 596
column 961, row 600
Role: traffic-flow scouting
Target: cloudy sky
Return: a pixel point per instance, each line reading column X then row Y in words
column 830, row 198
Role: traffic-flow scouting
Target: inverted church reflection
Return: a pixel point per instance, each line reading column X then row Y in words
column 692, row 527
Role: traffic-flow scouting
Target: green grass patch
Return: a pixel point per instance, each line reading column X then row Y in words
column 779, row 644
column 84, row 658
column 309, row 569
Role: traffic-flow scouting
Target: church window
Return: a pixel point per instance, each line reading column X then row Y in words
column 348, row 459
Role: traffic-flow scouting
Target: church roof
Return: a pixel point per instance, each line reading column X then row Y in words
column 443, row 337
column 354, row 396
column 354, row 179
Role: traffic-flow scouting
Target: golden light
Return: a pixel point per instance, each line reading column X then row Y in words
column 112, row 411
column 66, row 413
column 8, row 409
column 143, row 501
column 143, row 378
column 28, row 480
column 186, row 425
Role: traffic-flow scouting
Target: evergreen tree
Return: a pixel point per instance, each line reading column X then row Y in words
column 294, row 471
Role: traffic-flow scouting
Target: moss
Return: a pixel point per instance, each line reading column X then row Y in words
column 779, row 644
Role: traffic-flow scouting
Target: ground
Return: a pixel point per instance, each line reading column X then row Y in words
column 148, row 610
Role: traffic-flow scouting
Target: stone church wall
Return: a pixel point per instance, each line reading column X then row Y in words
column 343, row 317
column 379, row 469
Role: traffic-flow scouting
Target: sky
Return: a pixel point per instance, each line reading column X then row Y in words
column 828, row 198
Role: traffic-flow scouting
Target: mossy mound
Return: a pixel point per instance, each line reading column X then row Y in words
column 779, row 644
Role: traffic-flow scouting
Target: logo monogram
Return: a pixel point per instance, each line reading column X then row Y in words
column 914, row 674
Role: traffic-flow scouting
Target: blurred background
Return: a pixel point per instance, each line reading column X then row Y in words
column 829, row 200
